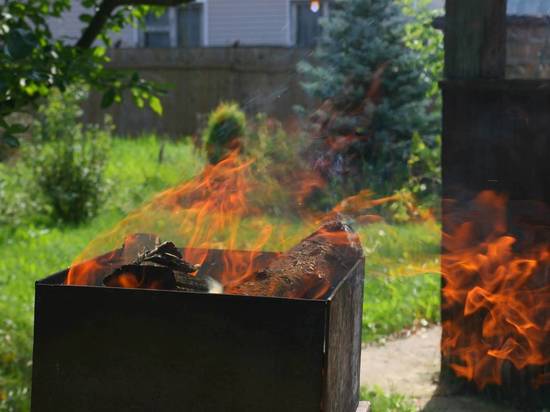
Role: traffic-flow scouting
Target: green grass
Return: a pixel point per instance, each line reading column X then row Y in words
column 26, row 257
column 135, row 173
column 382, row 402
column 400, row 286
column 401, row 280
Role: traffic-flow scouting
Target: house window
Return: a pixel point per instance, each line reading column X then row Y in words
column 190, row 25
column 177, row 27
column 158, row 30
column 305, row 23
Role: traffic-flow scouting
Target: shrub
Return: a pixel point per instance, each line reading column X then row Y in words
column 226, row 126
column 427, row 41
column 425, row 169
column 278, row 164
column 419, row 198
column 424, row 163
column 19, row 202
column 66, row 159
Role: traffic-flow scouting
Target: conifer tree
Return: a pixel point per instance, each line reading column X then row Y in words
column 374, row 92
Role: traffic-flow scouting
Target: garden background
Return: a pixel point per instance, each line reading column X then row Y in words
column 64, row 181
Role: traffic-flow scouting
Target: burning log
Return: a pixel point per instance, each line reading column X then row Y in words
column 162, row 267
column 167, row 255
column 310, row 269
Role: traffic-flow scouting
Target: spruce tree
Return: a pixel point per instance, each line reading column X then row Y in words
column 374, row 93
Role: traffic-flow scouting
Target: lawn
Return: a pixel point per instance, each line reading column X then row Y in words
column 401, row 286
column 382, row 402
column 401, row 277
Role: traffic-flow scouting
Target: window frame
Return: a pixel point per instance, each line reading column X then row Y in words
column 293, row 26
column 170, row 28
column 201, row 5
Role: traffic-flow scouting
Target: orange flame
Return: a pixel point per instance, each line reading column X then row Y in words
column 215, row 210
column 219, row 209
column 204, row 213
column 496, row 293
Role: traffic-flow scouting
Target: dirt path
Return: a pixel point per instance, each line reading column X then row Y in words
column 410, row 366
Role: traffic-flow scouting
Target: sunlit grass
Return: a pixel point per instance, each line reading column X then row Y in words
column 139, row 168
column 401, row 277
column 384, row 402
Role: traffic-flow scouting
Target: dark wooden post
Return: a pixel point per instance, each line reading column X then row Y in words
column 475, row 39
column 495, row 137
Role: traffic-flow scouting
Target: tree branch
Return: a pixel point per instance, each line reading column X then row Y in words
column 105, row 11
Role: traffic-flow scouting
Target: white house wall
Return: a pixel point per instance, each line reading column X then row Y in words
column 248, row 22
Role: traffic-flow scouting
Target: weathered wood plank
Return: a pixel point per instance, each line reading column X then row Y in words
column 475, row 39
column 343, row 361
column 310, row 269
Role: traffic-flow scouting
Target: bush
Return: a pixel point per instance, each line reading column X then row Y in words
column 278, row 164
column 18, row 200
column 424, row 163
column 425, row 169
column 419, row 198
column 226, row 127
column 66, row 159
column 277, row 156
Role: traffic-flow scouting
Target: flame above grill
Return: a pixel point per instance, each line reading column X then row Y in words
column 222, row 208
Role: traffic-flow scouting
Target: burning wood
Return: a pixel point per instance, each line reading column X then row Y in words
column 162, row 267
column 310, row 269
column 167, row 255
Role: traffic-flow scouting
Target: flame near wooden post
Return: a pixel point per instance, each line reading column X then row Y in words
column 496, row 232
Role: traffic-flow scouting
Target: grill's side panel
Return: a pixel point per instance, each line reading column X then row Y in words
column 343, row 352
column 108, row 349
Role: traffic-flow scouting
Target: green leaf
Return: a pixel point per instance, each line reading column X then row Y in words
column 108, row 98
column 10, row 140
column 20, row 44
column 99, row 51
column 85, row 18
column 138, row 101
column 155, row 105
column 17, row 128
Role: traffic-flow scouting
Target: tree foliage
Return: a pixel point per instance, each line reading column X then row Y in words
column 370, row 72
column 33, row 61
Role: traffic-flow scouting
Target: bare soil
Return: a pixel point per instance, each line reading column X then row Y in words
column 410, row 366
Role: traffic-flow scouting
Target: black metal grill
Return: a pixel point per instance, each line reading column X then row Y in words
column 112, row 349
